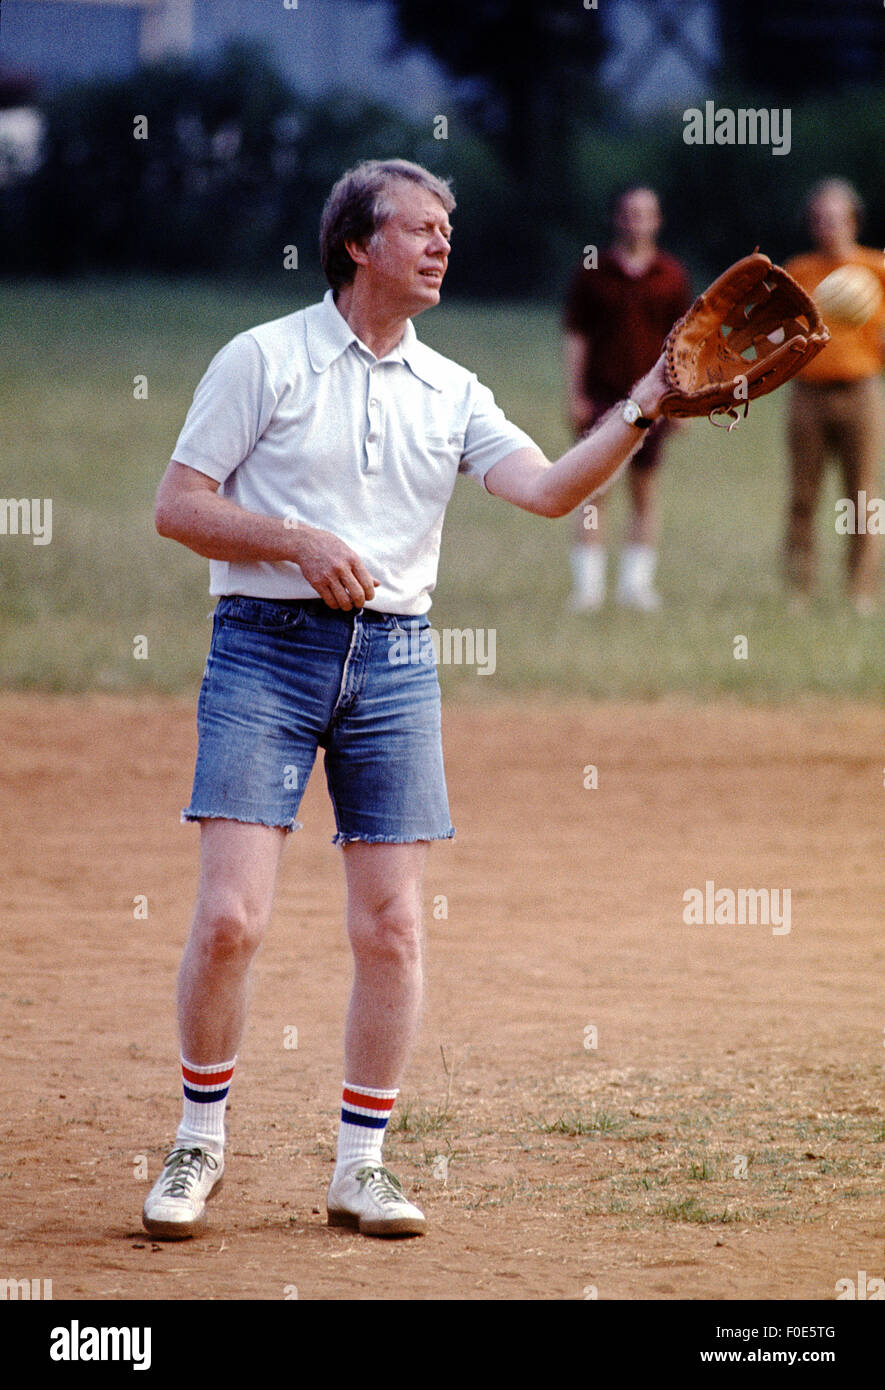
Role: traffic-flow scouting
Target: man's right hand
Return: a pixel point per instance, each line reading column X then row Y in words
column 189, row 509
column 332, row 568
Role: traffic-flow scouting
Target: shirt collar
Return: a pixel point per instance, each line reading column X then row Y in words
column 616, row 262
column 422, row 360
column 329, row 335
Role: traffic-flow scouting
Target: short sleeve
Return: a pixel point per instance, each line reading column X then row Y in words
column 231, row 408
column 489, row 436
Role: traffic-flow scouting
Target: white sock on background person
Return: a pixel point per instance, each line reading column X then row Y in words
column 637, row 573
column 588, row 575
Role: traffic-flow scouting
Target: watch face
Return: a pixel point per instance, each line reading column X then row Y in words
column 631, row 412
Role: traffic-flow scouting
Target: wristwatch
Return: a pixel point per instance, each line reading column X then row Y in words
column 632, row 414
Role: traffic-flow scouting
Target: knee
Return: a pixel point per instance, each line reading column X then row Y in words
column 802, row 507
column 389, row 931
column 229, row 932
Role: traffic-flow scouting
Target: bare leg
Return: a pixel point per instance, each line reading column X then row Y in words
column 384, row 891
column 589, row 528
column 861, row 431
column 806, row 439
column 588, row 558
column 639, row 554
column 643, row 525
column 237, row 878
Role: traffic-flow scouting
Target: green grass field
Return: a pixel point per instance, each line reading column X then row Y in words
column 71, row 430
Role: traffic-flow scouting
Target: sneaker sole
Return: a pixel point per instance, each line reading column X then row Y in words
column 399, row 1226
column 180, row 1230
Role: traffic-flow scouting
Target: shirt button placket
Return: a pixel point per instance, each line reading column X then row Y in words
column 373, row 437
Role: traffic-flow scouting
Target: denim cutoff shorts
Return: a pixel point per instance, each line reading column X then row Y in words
column 286, row 677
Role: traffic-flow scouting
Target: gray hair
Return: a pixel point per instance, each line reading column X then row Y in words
column 360, row 204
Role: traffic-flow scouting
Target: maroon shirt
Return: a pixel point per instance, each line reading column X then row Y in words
column 626, row 319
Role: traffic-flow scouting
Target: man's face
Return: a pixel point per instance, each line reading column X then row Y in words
column 832, row 220
column 408, row 255
column 638, row 216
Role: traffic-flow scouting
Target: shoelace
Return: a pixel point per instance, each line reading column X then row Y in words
column 385, row 1186
column 185, row 1168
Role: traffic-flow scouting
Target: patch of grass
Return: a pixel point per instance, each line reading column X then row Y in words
column 575, row 1125
column 69, row 610
column 431, row 1156
column 701, row 1172
column 618, row 1206
column 689, row 1209
column 648, row 1183
column 413, row 1121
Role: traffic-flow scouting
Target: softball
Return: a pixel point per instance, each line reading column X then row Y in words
column 849, row 295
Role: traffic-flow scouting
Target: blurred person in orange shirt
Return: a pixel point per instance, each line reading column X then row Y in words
column 836, row 404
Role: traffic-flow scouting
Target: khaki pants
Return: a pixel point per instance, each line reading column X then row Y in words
column 847, row 420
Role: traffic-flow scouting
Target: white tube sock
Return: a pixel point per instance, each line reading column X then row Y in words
column 588, row 575
column 637, row 574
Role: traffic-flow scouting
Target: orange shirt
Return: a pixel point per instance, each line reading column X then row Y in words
column 852, row 353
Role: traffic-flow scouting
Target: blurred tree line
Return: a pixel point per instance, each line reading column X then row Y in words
column 235, row 166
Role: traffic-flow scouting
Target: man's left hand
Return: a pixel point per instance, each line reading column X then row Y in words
column 650, row 389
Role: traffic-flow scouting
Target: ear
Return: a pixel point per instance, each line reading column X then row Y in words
column 357, row 252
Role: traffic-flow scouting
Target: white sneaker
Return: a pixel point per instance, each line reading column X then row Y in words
column 647, row 600
column 636, row 587
column 175, row 1207
column 584, row 603
column 371, row 1200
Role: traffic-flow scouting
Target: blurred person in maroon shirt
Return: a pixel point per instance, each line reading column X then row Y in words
column 617, row 315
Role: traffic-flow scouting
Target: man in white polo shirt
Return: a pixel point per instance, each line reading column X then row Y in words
column 313, row 470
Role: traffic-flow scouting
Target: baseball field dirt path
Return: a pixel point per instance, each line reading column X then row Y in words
column 607, row 1100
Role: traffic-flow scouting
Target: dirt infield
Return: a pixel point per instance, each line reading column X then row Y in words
column 605, row 1101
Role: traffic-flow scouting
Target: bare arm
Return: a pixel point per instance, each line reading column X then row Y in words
column 528, row 480
column 188, row 509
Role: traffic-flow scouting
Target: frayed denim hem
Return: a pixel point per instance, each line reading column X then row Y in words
column 288, row 826
column 342, row 839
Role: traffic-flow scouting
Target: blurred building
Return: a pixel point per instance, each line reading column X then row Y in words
column 660, row 51
column 318, row 45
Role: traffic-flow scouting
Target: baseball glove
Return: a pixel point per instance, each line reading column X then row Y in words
column 747, row 334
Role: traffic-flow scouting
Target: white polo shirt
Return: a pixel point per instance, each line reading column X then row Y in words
column 298, row 419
